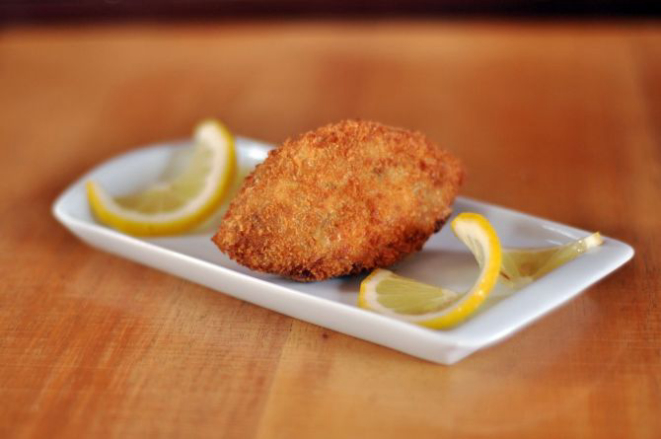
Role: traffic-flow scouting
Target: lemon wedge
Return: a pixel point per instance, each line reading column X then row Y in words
column 389, row 294
column 522, row 266
column 180, row 200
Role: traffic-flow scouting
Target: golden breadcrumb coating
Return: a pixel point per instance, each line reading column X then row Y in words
column 342, row 199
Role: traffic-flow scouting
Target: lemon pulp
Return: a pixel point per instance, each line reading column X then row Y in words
column 522, row 266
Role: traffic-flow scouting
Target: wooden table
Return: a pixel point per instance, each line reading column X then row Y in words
column 558, row 120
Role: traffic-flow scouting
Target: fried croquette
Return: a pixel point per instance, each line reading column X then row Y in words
column 342, row 199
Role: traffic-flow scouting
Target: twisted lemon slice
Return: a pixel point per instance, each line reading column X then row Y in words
column 396, row 296
column 387, row 293
column 178, row 202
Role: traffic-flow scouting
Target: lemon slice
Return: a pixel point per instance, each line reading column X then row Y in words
column 522, row 266
column 183, row 198
column 434, row 307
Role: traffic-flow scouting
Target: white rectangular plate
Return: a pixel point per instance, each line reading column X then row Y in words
column 332, row 304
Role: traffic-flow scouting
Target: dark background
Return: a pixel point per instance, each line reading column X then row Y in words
column 17, row 11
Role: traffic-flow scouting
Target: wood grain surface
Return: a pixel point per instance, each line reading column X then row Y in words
column 558, row 120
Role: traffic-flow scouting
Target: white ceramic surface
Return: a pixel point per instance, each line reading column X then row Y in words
column 332, row 304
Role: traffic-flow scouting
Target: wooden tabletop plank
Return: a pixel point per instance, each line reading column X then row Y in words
column 557, row 120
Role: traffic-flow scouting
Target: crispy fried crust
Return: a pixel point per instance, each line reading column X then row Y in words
column 342, row 199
